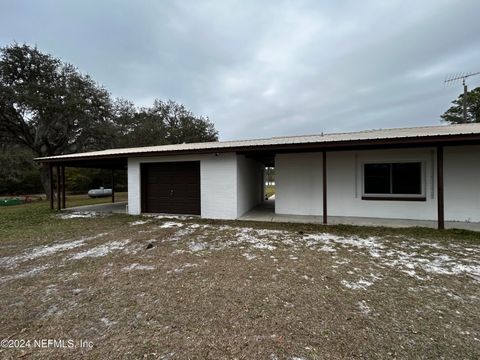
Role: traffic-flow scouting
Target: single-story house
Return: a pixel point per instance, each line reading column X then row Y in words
column 419, row 173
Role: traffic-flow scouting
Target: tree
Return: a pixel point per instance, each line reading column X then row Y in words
column 47, row 108
column 50, row 107
column 454, row 115
column 18, row 172
column 166, row 122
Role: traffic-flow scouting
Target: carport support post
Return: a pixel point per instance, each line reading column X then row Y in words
column 440, row 197
column 324, row 173
column 59, row 204
column 50, row 174
column 63, row 188
column 113, row 186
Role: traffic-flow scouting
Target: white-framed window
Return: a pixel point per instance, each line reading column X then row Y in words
column 393, row 180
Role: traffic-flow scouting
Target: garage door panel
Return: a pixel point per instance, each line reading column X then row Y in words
column 161, row 206
column 185, row 190
column 172, row 187
column 160, row 199
column 186, row 208
column 162, row 191
column 159, row 181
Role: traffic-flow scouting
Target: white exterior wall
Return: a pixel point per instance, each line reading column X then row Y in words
column 218, row 183
column 231, row 184
column 133, row 181
column 249, row 184
column 345, row 185
column 299, row 184
column 462, row 183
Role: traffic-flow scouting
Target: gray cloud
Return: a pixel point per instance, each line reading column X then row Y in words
column 260, row 69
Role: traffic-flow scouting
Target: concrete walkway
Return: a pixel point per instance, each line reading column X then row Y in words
column 266, row 212
column 115, row 208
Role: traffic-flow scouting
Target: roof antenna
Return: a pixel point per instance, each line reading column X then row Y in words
column 455, row 78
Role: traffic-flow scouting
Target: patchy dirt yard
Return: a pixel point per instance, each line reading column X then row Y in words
column 181, row 288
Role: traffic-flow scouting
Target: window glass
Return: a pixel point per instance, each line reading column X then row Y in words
column 377, row 178
column 407, row 178
column 393, row 178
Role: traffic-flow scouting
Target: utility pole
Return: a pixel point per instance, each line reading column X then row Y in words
column 455, row 78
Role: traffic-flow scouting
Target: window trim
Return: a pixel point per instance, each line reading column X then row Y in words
column 395, row 197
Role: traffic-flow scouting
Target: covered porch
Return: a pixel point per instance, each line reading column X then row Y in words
column 329, row 186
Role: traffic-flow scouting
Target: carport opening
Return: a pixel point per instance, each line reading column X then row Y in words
column 269, row 184
column 87, row 185
column 89, row 188
column 267, row 205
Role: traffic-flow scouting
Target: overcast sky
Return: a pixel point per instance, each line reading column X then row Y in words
column 266, row 68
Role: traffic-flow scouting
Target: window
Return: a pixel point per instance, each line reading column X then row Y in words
column 393, row 181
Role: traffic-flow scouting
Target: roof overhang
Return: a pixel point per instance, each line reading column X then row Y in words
column 427, row 136
column 114, row 163
column 119, row 161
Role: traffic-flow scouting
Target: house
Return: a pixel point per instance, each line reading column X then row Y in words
column 421, row 173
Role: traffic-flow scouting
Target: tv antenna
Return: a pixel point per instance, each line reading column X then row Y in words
column 456, row 78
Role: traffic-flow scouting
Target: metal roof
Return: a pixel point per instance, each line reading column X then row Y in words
column 412, row 133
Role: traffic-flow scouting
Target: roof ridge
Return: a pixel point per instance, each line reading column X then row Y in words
column 367, row 130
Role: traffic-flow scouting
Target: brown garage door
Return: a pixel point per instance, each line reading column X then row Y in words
column 171, row 187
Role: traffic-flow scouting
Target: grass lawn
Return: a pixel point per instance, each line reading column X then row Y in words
column 185, row 288
column 76, row 200
column 269, row 190
column 79, row 200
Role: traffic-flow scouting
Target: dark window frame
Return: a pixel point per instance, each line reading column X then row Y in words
column 390, row 196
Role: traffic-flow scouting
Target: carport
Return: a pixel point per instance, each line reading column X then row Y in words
column 57, row 175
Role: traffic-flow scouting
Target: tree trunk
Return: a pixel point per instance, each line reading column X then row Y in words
column 45, row 178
